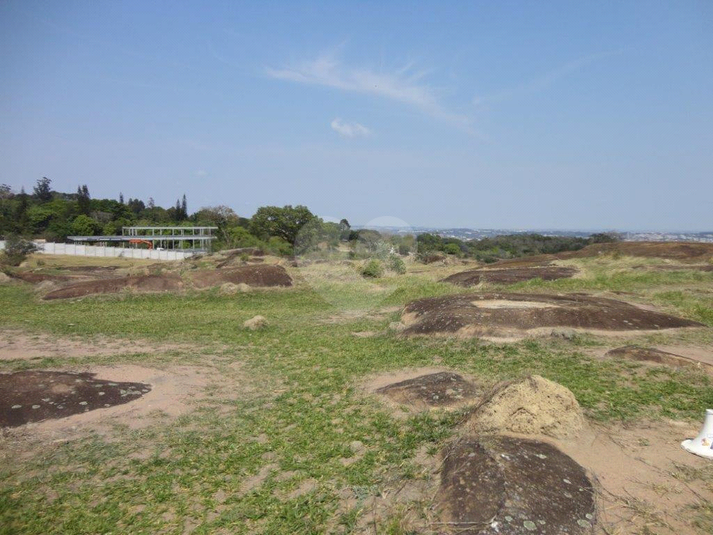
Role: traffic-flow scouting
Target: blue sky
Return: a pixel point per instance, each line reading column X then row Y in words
column 571, row 115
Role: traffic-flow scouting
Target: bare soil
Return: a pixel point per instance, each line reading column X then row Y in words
column 532, row 406
column 513, row 316
column 648, row 354
column 440, row 389
column 144, row 283
column 259, row 276
column 510, row 275
column 684, row 267
column 32, row 396
column 680, row 251
column 17, row 344
column 513, row 486
column 35, row 278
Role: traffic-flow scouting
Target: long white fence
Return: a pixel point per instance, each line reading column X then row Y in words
column 72, row 249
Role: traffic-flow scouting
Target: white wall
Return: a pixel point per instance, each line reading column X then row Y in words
column 72, row 249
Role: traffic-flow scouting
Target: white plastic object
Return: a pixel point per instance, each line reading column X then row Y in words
column 702, row 445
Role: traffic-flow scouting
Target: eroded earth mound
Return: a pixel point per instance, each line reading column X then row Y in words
column 31, row 396
column 504, row 316
column 145, row 283
column 648, row 354
column 510, row 275
column 442, row 389
column 261, row 276
column 532, row 406
column 512, row 486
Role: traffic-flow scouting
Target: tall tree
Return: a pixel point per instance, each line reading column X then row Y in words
column 121, row 198
column 43, row 191
column 83, row 200
column 184, row 208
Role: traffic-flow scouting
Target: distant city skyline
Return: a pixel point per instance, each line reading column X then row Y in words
column 511, row 115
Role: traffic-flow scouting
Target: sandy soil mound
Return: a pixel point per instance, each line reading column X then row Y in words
column 506, row 485
column 441, row 389
column 648, row 354
column 533, row 406
column 146, row 283
column 513, row 316
column 250, row 275
column 510, row 275
column 256, row 323
column 31, row 396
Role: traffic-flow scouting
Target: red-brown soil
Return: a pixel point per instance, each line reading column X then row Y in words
column 31, row 396
column 648, row 354
column 681, row 251
column 507, row 485
column 34, row 278
column 145, row 283
column 251, row 275
column 510, row 275
column 705, row 268
column 500, row 315
column 442, row 389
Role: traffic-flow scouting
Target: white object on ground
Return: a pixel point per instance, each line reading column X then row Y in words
column 702, row 445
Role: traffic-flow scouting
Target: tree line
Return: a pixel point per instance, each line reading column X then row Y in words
column 286, row 230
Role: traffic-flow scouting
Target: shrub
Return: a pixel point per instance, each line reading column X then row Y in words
column 16, row 250
column 452, row 248
column 373, row 269
column 397, row 265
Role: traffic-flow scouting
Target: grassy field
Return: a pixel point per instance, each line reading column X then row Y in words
column 294, row 434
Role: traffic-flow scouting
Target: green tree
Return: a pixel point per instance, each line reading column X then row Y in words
column 84, row 226
column 43, row 190
column 284, row 222
column 84, row 200
column 16, row 250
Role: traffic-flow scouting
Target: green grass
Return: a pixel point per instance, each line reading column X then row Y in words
column 305, row 407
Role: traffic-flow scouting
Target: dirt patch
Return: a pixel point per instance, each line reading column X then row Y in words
column 511, row 275
column 685, row 251
column 666, row 267
column 515, row 486
column 646, row 482
column 172, row 393
column 32, row 396
column 440, row 389
column 21, row 345
column 35, row 278
column 464, row 315
column 533, row 406
column 648, row 354
column 145, row 283
column 260, row 276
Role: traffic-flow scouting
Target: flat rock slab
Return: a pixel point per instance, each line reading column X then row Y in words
column 513, row 486
column 259, row 276
column 442, row 389
column 648, row 354
column 144, row 283
column 510, row 275
column 513, row 316
column 31, row 396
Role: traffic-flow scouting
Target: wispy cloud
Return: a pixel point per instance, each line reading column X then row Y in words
column 405, row 85
column 345, row 129
column 546, row 80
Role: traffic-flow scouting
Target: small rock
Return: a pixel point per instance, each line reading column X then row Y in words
column 258, row 322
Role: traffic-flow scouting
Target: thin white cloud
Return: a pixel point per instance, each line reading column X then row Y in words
column 345, row 129
column 201, row 173
column 544, row 81
column 404, row 85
